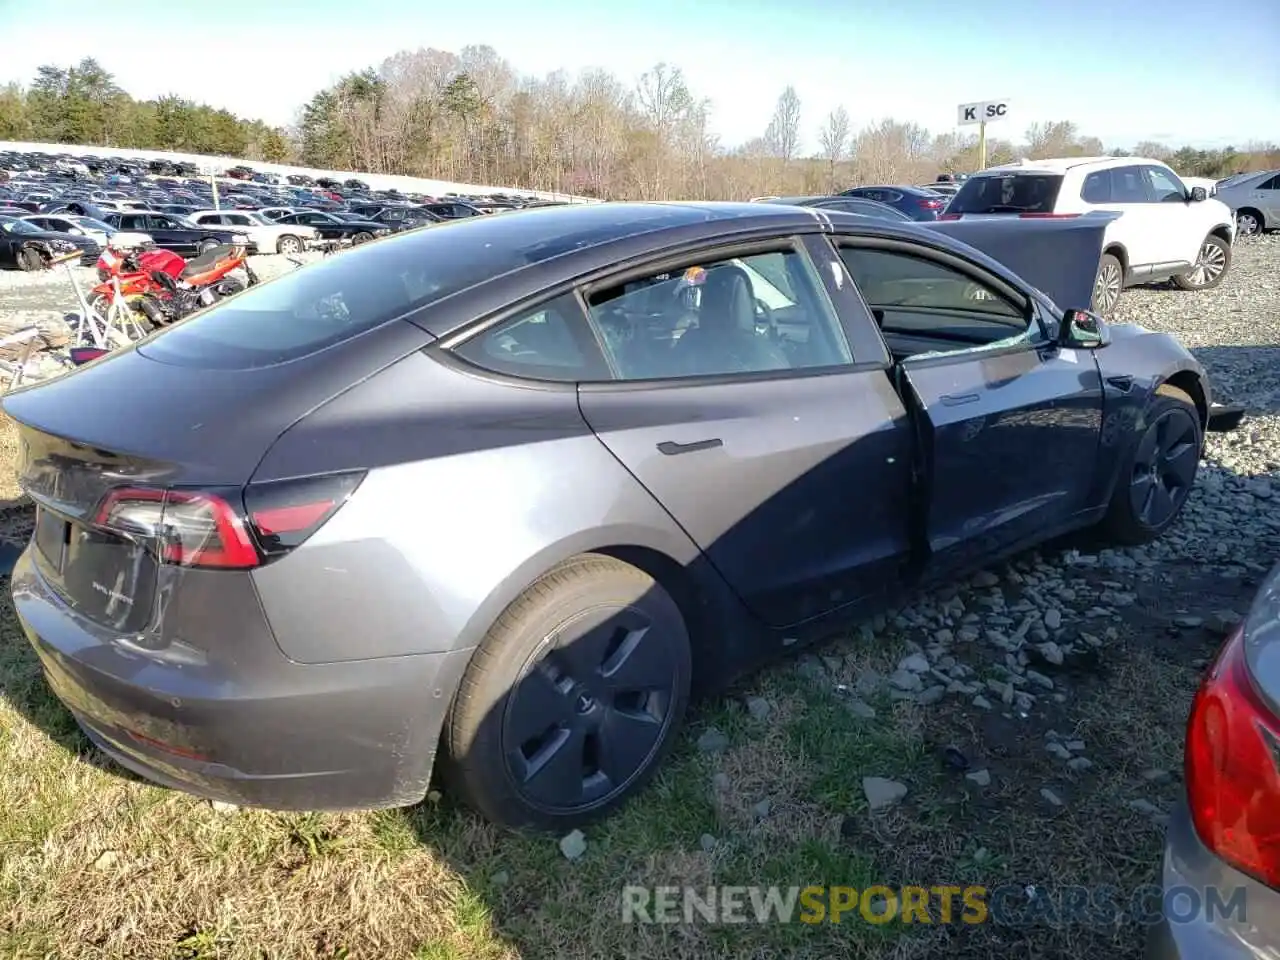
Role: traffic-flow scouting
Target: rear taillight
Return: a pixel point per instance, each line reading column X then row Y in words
column 949, row 216
column 932, row 204
column 210, row 528
column 284, row 513
column 1233, row 783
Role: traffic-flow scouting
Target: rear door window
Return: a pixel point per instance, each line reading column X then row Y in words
column 1096, row 187
column 1129, row 185
column 1014, row 192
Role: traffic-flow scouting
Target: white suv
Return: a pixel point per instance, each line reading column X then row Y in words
column 1166, row 230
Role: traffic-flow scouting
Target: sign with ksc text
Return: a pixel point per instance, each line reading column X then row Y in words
column 984, row 111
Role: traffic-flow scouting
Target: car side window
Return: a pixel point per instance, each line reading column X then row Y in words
column 163, row 223
column 1096, row 187
column 551, row 342
column 1271, row 184
column 133, row 222
column 924, row 306
column 1129, row 185
column 759, row 313
column 1165, row 187
column 239, row 219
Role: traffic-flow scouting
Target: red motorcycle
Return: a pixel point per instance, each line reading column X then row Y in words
column 163, row 286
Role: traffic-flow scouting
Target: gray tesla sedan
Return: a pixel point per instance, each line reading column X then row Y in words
column 506, row 490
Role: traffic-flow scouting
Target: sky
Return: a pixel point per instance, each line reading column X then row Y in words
column 1124, row 70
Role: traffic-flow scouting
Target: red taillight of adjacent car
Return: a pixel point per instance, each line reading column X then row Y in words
column 931, row 204
column 1233, row 782
column 228, row 530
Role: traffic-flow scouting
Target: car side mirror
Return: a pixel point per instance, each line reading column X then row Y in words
column 1083, row 330
column 1198, row 194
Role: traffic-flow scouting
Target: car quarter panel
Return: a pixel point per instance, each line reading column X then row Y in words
column 475, row 489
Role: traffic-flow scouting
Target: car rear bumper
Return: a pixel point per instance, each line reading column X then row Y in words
column 253, row 729
column 1190, row 872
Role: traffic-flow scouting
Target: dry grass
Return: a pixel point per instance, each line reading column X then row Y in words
column 8, row 456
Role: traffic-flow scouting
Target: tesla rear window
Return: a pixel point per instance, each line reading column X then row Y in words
column 340, row 297
column 1007, row 193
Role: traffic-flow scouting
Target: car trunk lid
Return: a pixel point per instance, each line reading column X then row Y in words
column 1059, row 257
column 128, row 421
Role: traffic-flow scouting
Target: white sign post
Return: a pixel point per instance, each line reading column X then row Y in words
column 982, row 112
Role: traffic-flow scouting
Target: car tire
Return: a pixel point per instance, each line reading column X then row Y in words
column 288, row 245
column 206, row 245
column 29, row 259
column 1249, row 222
column 1211, row 266
column 1108, row 284
column 1165, row 455
column 362, row 237
column 554, row 692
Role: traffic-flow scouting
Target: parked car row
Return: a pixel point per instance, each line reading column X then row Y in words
column 89, row 197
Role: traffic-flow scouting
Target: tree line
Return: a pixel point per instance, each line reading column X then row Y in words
column 471, row 117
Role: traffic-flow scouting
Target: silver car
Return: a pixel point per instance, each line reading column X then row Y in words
column 1221, row 865
column 1255, row 200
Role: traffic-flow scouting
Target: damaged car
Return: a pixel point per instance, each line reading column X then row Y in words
column 495, row 500
column 25, row 246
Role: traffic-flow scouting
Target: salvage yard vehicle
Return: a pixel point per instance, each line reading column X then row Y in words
column 1166, row 231
column 27, row 247
column 508, row 491
column 171, row 232
column 331, row 226
column 867, row 208
column 270, row 237
column 1255, row 199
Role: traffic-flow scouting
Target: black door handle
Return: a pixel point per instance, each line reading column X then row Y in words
column 1121, row 382
column 955, row 399
column 671, row 448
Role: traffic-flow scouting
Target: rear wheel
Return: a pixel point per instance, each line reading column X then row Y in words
column 288, row 245
column 1249, row 222
column 1211, row 266
column 1107, row 285
column 1158, row 472
column 362, row 237
column 207, row 245
column 573, row 699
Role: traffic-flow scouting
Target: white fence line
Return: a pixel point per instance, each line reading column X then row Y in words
column 208, row 165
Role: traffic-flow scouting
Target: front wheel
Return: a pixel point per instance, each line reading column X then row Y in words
column 1157, row 473
column 573, row 699
column 1107, row 285
column 1211, row 266
column 207, row 245
column 289, row 245
column 362, row 237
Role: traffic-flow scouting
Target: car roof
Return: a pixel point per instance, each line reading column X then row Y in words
column 1060, row 165
column 517, row 256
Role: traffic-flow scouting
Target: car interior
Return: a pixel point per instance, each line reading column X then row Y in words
column 752, row 314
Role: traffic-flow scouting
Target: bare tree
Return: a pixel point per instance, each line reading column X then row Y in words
column 783, row 132
column 834, row 139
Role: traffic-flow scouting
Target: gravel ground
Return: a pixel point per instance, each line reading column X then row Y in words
column 1021, row 728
